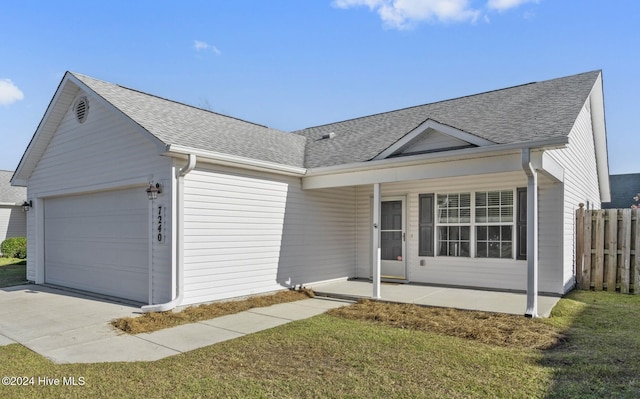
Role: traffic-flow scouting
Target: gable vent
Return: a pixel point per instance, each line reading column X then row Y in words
column 82, row 109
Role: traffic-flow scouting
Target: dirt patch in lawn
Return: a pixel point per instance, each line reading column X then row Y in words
column 149, row 322
column 491, row 328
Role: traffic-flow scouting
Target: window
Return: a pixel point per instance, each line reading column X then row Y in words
column 494, row 224
column 454, row 224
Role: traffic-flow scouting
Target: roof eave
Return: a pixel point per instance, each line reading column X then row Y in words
column 600, row 139
column 218, row 158
column 546, row 144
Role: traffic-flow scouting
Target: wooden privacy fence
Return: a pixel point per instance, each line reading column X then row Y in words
column 608, row 249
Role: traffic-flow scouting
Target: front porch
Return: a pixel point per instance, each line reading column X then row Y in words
column 427, row 295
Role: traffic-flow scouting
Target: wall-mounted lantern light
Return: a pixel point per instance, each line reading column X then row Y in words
column 153, row 190
column 26, row 205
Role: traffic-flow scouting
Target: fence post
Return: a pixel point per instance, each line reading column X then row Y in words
column 586, row 268
column 635, row 213
column 625, row 238
column 580, row 245
column 611, row 260
column 598, row 263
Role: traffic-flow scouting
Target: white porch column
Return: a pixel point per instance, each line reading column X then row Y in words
column 375, row 256
column 532, row 234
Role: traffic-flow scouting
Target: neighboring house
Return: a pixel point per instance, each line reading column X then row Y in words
column 478, row 191
column 623, row 189
column 13, row 220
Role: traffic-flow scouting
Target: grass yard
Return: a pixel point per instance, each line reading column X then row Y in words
column 12, row 271
column 376, row 350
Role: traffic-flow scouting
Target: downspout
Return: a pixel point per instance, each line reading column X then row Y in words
column 532, row 234
column 376, row 241
column 179, row 237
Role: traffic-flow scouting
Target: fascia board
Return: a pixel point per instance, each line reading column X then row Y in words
column 433, row 124
column 18, row 182
column 23, row 169
column 600, row 139
column 173, row 150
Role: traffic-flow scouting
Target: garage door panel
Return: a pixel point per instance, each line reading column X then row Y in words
column 99, row 243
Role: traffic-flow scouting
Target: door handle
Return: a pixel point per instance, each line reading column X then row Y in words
column 404, row 238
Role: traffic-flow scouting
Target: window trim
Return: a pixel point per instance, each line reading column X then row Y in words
column 499, row 223
column 472, row 225
column 439, row 224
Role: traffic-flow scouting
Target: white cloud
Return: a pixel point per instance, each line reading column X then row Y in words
column 9, row 93
column 404, row 14
column 204, row 46
column 502, row 5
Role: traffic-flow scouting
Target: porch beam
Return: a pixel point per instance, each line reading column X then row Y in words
column 375, row 256
column 388, row 172
column 532, row 234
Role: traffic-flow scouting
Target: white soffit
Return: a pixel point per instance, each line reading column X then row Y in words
column 433, row 135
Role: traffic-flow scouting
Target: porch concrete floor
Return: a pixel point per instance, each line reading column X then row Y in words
column 459, row 298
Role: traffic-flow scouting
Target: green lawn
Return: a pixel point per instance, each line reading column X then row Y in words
column 12, row 271
column 334, row 357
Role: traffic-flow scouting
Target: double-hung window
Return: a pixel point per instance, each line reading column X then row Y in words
column 454, row 224
column 494, row 222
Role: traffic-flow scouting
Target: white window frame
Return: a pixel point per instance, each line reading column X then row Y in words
column 440, row 224
column 500, row 223
column 473, row 224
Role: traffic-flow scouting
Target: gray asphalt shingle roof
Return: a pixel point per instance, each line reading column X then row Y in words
column 623, row 189
column 179, row 124
column 519, row 114
column 533, row 111
column 9, row 193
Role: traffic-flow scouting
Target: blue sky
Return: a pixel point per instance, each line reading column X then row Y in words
column 291, row 64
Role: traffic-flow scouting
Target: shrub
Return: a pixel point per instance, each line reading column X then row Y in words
column 14, row 247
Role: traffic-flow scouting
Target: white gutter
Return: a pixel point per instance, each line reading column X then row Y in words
column 179, row 237
column 237, row 161
column 532, row 234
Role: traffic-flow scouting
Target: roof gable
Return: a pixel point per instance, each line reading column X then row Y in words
column 182, row 125
column 432, row 136
column 167, row 123
column 520, row 114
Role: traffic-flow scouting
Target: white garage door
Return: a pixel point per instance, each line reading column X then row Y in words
column 99, row 243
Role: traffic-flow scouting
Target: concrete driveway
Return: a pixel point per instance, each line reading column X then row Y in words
column 68, row 327
column 65, row 326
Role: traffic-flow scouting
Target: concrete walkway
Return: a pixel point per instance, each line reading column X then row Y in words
column 459, row 298
column 68, row 327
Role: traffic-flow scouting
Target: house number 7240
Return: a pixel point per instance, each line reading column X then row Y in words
column 160, row 222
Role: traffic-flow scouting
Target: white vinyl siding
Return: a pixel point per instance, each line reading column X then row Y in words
column 106, row 152
column 248, row 233
column 580, row 185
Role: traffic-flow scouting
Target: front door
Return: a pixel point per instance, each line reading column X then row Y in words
column 392, row 239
